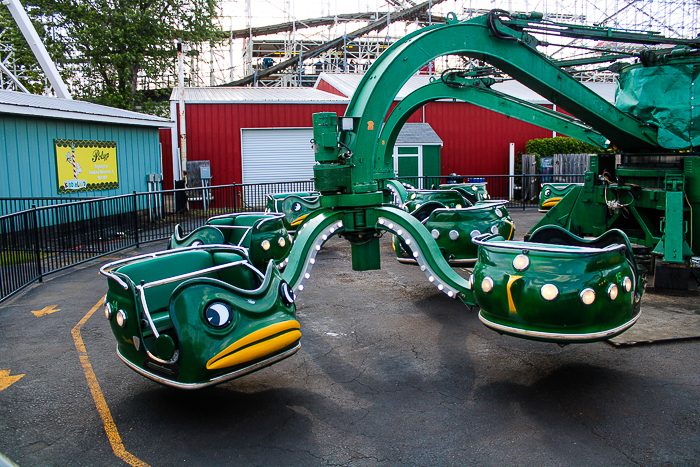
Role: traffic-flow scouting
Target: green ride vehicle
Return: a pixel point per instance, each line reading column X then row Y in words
column 558, row 287
column 296, row 207
column 262, row 234
column 453, row 221
column 474, row 192
column 455, row 228
column 552, row 193
column 197, row 316
column 447, row 198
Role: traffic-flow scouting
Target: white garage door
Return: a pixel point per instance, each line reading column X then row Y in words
column 277, row 155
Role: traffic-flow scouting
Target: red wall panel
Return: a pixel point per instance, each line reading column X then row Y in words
column 214, row 131
column 475, row 140
column 324, row 86
column 166, row 157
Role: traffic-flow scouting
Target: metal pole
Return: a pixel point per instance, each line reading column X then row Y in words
column 183, row 126
column 211, row 65
column 231, row 50
column 511, row 169
column 42, row 56
column 37, row 250
column 136, row 222
column 345, row 52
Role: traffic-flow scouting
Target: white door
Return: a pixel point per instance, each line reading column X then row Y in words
column 270, row 155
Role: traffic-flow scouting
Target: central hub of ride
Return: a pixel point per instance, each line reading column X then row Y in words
column 344, row 187
column 338, row 170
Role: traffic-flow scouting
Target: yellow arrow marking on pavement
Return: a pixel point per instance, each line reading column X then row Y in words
column 47, row 310
column 6, row 380
column 110, row 427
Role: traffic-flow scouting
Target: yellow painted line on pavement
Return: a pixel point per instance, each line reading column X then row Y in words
column 6, row 380
column 110, row 428
column 47, row 310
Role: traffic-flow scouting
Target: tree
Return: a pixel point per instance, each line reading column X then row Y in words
column 108, row 45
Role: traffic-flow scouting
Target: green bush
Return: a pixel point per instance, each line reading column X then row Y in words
column 547, row 147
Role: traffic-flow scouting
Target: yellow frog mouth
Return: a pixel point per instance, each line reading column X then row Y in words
column 551, row 202
column 261, row 343
column 298, row 220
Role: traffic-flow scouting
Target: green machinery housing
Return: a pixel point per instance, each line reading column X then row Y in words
column 647, row 183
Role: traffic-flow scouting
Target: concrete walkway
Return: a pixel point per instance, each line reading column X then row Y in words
column 391, row 372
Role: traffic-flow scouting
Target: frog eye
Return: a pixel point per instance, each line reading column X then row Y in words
column 288, row 295
column 296, row 207
column 218, row 315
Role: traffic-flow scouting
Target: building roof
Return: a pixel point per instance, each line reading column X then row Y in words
column 251, row 95
column 348, row 82
column 21, row 103
column 418, row 133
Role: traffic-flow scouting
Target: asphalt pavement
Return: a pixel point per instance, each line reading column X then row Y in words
column 391, row 372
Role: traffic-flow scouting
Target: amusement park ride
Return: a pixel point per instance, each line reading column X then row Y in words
column 202, row 314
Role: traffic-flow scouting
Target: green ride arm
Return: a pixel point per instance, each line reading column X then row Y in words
column 486, row 98
column 426, row 252
column 320, row 226
column 397, row 187
column 473, row 38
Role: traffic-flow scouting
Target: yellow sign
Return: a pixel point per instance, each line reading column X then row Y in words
column 86, row 165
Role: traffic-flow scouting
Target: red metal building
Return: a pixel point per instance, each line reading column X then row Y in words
column 476, row 141
column 220, row 124
column 218, row 119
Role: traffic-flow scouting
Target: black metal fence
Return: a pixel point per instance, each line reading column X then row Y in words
column 46, row 235
column 521, row 191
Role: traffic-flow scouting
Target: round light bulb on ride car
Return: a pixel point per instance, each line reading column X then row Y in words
column 281, row 242
column 121, row 318
column 587, row 296
column 627, row 284
column 487, row 285
column 435, row 233
column 521, row 262
column 454, row 235
column 108, row 311
column 612, row 292
column 549, row 292
column 265, row 245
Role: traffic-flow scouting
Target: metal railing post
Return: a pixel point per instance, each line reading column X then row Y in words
column 136, row 222
column 37, row 250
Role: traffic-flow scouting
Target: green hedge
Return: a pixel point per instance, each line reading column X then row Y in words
column 547, row 147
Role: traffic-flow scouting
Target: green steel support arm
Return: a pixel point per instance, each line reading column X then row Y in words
column 473, row 38
column 483, row 97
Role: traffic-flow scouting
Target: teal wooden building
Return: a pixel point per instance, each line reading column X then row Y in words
column 53, row 147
